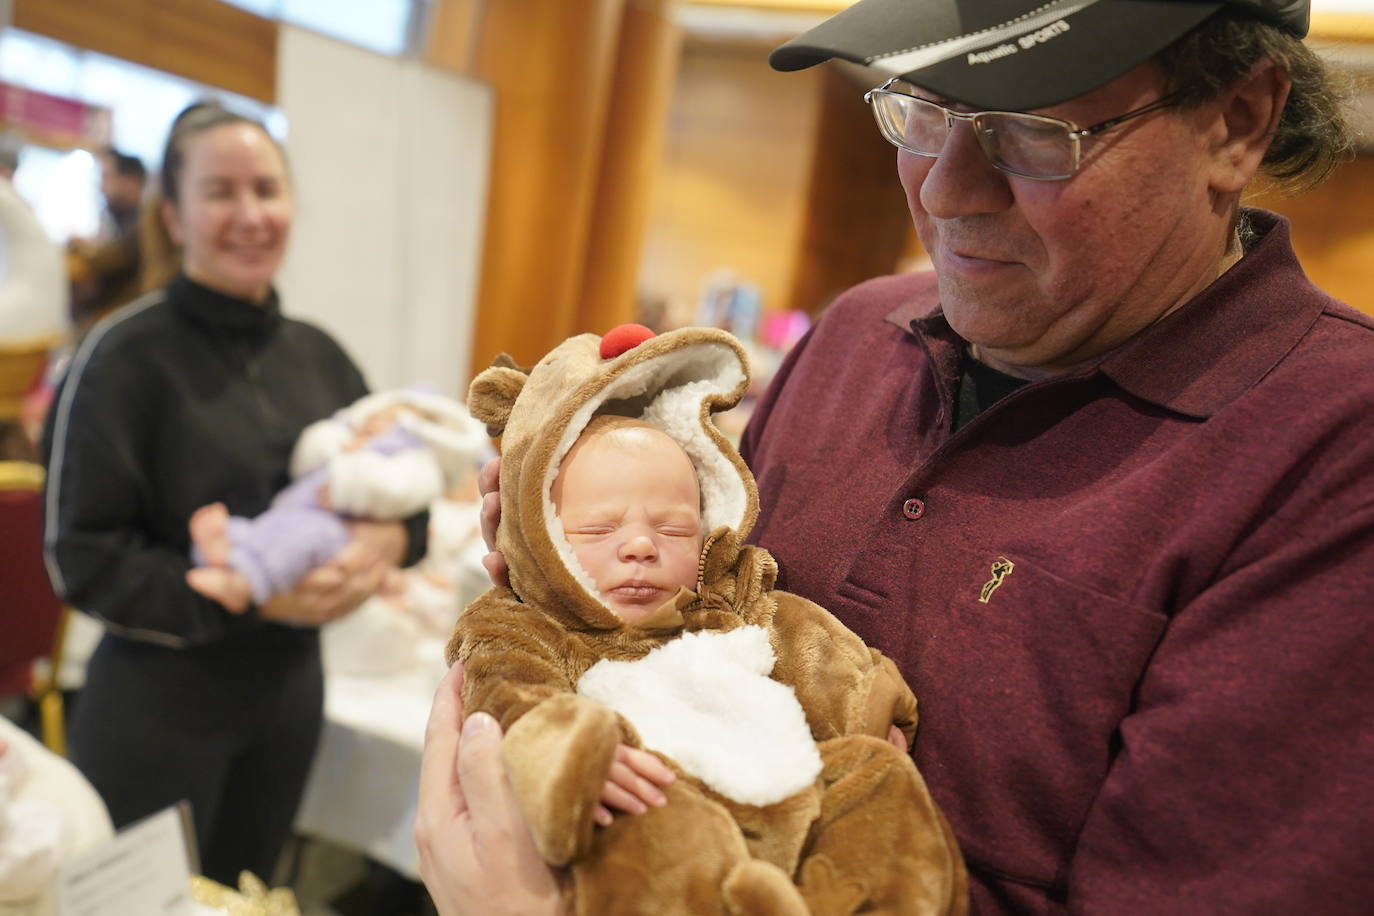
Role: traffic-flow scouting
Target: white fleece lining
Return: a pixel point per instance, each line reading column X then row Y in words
column 687, row 377
column 706, row 701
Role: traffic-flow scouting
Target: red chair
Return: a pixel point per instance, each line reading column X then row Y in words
column 32, row 618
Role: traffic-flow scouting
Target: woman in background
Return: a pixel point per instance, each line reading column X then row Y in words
column 191, row 395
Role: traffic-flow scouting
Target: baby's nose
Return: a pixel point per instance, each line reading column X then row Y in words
column 639, row 547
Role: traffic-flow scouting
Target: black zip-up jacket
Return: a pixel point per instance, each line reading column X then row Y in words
column 182, row 398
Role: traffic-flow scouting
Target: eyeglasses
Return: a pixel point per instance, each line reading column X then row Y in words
column 1027, row 145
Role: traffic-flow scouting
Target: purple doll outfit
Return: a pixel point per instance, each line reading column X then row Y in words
column 296, row 534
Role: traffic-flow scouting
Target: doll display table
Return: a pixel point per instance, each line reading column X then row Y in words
column 362, row 789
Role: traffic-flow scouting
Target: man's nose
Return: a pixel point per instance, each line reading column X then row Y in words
column 961, row 180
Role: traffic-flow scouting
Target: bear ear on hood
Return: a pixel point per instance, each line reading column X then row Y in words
column 492, row 394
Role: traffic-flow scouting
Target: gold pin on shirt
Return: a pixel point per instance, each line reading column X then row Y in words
column 1001, row 568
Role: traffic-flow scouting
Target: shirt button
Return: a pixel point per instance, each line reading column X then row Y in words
column 913, row 508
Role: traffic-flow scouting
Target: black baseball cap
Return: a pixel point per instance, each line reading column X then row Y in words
column 1014, row 54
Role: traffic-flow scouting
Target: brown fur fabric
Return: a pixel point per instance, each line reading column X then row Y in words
column 863, row 837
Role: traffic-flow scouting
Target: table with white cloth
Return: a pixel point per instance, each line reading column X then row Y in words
column 362, row 789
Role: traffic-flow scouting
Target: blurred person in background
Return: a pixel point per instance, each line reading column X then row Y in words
column 105, row 272
column 10, row 147
column 193, row 395
column 122, row 180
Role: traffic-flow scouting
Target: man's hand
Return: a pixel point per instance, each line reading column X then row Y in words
column 476, row 854
column 489, row 485
column 634, row 784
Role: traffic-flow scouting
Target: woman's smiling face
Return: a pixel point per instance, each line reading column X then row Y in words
column 234, row 210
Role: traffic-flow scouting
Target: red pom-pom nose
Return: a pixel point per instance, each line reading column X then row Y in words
column 626, row 337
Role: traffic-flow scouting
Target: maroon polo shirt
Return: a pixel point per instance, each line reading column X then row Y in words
column 1136, row 601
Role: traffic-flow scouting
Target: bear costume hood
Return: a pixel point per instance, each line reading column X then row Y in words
column 675, row 381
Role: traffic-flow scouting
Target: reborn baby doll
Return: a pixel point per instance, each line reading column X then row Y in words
column 384, row 457
column 768, row 710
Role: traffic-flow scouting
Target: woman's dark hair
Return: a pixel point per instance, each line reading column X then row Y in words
column 1312, row 137
column 194, row 120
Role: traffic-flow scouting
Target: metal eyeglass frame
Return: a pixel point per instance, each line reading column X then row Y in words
column 1071, row 130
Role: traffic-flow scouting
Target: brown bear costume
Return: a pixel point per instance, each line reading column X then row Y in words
column 772, row 713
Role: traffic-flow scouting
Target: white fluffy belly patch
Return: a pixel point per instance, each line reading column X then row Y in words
column 705, row 700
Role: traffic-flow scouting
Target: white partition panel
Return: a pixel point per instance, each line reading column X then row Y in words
column 389, row 159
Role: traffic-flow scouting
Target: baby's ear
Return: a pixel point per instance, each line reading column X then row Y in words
column 492, row 394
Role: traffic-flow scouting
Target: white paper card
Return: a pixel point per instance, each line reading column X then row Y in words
column 145, row 869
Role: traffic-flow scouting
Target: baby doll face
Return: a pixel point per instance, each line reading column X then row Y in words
column 631, row 509
column 379, row 422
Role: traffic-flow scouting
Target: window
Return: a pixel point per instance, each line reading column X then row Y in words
column 63, row 185
column 378, row 25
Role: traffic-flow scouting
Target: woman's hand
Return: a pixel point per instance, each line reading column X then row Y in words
column 330, row 591
column 489, row 485
column 476, row 854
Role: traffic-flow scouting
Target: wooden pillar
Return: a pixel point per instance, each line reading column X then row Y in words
column 645, row 72
column 451, row 35
column 550, row 64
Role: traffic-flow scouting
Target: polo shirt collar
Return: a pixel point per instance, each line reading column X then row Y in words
column 1215, row 347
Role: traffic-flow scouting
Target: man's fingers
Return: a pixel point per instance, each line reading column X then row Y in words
column 440, row 798
column 439, row 764
column 496, row 816
column 489, row 478
column 495, row 565
column 491, row 518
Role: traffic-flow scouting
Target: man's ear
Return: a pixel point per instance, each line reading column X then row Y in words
column 1246, row 117
column 171, row 221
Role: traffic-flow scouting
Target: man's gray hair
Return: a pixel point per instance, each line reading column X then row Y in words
column 1312, row 137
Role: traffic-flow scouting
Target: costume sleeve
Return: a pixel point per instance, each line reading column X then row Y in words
column 845, row 687
column 101, row 556
column 558, row 746
column 1242, row 784
column 510, row 657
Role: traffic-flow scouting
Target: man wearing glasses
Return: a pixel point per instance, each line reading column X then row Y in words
column 1102, row 482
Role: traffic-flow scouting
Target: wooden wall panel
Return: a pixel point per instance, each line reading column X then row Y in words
column 732, row 191
column 550, row 64
column 1333, row 231
column 203, row 40
column 646, row 63
column 857, row 224
column 451, row 34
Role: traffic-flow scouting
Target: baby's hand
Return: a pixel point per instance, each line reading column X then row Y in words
column 634, row 784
